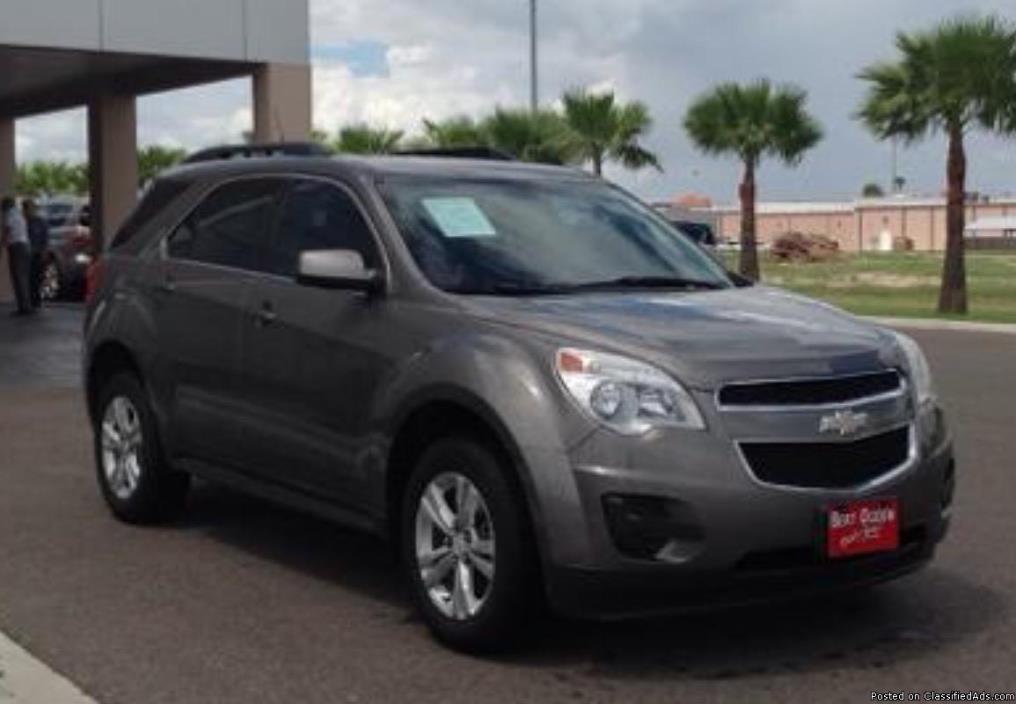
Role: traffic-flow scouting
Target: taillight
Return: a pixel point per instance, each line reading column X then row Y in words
column 93, row 279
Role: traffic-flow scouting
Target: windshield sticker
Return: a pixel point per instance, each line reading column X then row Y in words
column 459, row 217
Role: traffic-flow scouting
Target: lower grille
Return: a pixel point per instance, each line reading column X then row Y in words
column 828, row 465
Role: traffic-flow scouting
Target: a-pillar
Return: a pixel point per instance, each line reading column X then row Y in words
column 112, row 162
column 282, row 103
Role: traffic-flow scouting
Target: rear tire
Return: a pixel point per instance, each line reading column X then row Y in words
column 136, row 481
column 481, row 588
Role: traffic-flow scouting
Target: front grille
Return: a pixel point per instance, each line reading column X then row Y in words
column 809, row 392
column 827, row 465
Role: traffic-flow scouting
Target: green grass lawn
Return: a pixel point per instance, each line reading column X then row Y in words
column 900, row 284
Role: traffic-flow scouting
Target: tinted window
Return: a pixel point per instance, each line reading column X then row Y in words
column 230, row 228
column 318, row 215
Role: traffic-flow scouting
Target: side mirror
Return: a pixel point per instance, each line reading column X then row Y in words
column 337, row 269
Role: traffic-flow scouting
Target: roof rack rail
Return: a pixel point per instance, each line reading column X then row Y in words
column 251, row 151
column 460, row 153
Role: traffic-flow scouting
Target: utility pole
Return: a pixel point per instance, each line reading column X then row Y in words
column 534, row 89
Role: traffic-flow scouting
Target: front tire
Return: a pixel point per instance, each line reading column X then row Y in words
column 136, row 482
column 467, row 549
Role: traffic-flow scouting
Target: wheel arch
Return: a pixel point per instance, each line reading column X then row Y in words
column 108, row 359
column 443, row 412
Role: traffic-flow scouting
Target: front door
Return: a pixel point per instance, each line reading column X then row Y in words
column 312, row 361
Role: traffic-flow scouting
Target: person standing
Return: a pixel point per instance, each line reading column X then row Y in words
column 38, row 240
column 14, row 238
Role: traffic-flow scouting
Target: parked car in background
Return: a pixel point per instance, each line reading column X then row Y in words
column 698, row 225
column 70, row 249
column 697, row 231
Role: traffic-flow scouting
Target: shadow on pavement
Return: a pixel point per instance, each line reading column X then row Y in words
column 873, row 628
column 43, row 349
column 298, row 541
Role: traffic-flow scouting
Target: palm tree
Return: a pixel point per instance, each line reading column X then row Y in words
column 752, row 121
column 604, row 129
column 461, row 131
column 953, row 78
column 365, row 139
column 540, row 136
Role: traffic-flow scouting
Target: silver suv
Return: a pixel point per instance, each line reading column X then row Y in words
column 520, row 375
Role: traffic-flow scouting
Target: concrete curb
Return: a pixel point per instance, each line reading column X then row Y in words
column 25, row 680
column 951, row 325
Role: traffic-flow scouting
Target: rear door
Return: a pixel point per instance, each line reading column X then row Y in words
column 312, row 363
column 210, row 263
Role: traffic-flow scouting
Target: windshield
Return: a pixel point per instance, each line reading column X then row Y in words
column 484, row 236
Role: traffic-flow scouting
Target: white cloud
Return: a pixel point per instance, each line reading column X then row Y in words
column 446, row 57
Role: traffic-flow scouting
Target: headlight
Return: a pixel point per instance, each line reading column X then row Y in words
column 920, row 372
column 626, row 395
column 83, row 258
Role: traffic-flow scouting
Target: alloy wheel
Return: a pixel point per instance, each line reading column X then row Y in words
column 49, row 288
column 122, row 443
column 455, row 546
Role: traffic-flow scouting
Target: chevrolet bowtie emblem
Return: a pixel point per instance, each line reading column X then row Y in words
column 843, row 423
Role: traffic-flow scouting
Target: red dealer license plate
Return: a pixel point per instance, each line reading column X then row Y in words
column 862, row 527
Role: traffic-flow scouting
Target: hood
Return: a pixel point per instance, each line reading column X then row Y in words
column 706, row 338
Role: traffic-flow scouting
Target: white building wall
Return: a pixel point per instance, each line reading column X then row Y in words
column 240, row 30
column 192, row 28
column 71, row 24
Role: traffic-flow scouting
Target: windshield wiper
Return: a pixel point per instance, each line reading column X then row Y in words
column 514, row 289
column 650, row 282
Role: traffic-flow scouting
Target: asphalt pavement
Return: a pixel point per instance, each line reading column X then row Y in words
column 246, row 602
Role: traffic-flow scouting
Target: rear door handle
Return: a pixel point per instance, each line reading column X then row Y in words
column 265, row 316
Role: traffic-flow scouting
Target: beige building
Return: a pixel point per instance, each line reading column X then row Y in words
column 103, row 54
column 872, row 224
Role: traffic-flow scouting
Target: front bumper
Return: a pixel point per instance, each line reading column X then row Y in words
column 736, row 541
column 607, row 595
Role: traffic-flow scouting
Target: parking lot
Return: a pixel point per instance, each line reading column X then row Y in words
column 246, row 602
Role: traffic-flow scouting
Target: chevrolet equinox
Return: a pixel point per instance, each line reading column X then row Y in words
column 522, row 376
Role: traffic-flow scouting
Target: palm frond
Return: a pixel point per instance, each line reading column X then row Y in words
column 601, row 127
column 752, row 120
column 959, row 73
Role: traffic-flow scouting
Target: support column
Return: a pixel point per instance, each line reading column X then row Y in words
column 8, row 163
column 282, row 103
column 112, row 162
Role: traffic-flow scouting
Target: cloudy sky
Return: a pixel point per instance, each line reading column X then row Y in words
column 394, row 62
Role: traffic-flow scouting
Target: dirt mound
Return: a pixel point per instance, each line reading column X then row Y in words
column 801, row 247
